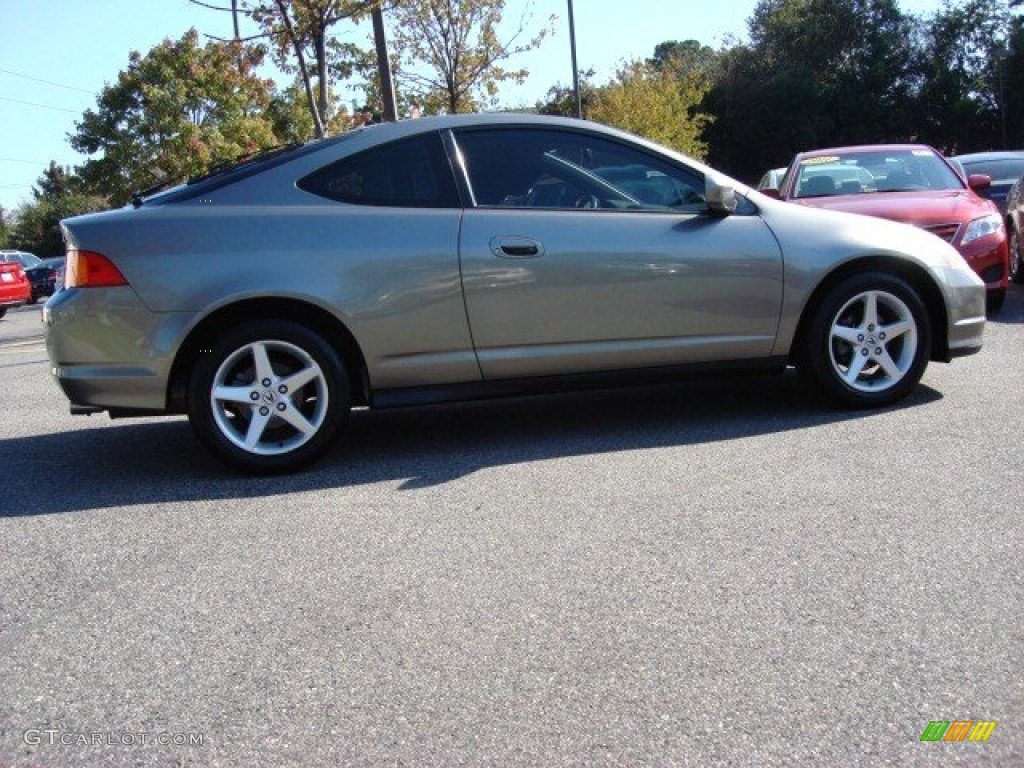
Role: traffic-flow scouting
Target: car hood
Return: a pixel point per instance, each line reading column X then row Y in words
column 917, row 208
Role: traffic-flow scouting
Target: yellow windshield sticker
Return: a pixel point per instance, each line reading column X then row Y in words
column 820, row 160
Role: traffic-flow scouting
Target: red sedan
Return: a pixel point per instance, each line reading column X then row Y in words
column 15, row 288
column 910, row 183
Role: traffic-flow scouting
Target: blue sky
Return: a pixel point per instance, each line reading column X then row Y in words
column 57, row 55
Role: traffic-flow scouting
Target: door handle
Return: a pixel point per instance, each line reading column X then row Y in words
column 516, row 247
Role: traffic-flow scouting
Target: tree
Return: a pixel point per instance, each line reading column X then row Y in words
column 816, row 73
column 684, row 57
column 1011, row 82
column 5, row 229
column 58, row 194
column 450, row 50
column 173, row 113
column 303, row 44
column 966, row 61
column 656, row 104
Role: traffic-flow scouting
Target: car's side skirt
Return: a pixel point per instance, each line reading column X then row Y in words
column 484, row 390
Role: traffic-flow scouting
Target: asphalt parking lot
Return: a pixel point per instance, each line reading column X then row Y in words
column 725, row 572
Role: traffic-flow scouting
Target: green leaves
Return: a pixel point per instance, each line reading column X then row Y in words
column 659, row 102
column 172, row 113
column 57, row 194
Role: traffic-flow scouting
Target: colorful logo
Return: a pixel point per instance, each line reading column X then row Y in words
column 958, row 730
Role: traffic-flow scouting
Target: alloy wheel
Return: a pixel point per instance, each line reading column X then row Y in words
column 269, row 397
column 873, row 341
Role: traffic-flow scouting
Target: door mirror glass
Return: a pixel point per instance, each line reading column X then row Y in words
column 721, row 199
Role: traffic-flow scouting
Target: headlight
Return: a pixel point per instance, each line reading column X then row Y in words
column 986, row 225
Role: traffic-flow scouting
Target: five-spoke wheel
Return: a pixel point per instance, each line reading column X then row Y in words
column 269, row 396
column 868, row 342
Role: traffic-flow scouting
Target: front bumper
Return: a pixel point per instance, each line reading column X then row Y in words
column 988, row 257
column 965, row 304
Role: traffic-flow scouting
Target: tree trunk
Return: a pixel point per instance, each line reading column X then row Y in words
column 318, row 122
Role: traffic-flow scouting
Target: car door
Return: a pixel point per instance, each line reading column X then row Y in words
column 584, row 253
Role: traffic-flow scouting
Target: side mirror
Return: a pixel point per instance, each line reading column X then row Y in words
column 721, row 199
column 771, row 192
column 979, row 181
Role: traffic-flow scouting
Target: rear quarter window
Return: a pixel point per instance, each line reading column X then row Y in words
column 409, row 173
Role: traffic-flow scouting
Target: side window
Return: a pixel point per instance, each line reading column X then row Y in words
column 542, row 168
column 409, row 173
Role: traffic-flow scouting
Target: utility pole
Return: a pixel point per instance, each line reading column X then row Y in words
column 387, row 87
column 238, row 36
column 575, row 68
column 1000, row 66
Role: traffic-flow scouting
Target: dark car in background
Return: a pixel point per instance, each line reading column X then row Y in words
column 47, row 278
column 1002, row 168
column 913, row 184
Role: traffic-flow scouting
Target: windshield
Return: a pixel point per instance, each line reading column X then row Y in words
column 27, row 260
column 1001, row 171
column 855, row 173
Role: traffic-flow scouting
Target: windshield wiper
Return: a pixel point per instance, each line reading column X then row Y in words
column 247, row 158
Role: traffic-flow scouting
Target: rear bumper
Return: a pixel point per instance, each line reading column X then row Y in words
column 129, row 349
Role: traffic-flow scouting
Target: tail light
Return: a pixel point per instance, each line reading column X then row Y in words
column 88, row 269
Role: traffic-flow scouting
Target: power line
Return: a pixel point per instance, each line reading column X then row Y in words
column 42, row 106
column 26, row 162
column 48, row 82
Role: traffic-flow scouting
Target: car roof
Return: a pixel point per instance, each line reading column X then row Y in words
column 382, row 133
column 864, row 148
column 980, row 157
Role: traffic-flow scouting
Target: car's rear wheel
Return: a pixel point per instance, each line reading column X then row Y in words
column 868, row 340
column 268, row 397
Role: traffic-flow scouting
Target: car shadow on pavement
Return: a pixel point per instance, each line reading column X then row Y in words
column 1013, row 309
column 126, row 463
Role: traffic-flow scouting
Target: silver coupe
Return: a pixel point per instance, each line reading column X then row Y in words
column 472, row 256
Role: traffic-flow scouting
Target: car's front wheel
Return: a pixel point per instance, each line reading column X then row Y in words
column 268, row 396
column 868, row 340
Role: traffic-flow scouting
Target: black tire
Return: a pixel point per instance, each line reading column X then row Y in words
column 994, row 301
column 3, row 311
column 1016, row 259
column 281, row 351
column 861, row 359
